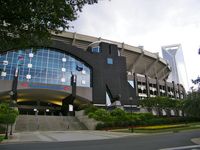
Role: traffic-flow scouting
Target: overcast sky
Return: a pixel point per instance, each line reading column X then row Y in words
column 151, row 23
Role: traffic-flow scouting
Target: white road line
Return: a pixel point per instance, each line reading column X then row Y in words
column 182, row 147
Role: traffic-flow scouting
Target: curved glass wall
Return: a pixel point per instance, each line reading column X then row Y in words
column 44, row 65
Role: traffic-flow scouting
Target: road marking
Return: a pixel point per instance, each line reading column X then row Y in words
column 182, row 147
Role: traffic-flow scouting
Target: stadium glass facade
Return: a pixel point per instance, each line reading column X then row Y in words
column 44, row 65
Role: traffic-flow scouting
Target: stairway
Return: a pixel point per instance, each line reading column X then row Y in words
column 47, row 123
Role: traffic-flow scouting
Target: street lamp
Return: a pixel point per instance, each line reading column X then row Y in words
column 131, row 102
column 13, row 92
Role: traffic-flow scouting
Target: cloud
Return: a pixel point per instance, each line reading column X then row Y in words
column 151, row 23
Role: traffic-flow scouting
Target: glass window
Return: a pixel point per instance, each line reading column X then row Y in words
column 96, row 49
column 109, row 61
column 44, row 66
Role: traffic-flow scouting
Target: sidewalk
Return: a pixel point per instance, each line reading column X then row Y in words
column 53, row 136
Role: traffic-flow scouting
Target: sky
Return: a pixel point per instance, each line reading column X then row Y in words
column 150, row 23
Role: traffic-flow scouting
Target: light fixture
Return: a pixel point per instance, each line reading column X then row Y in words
column 30, row 65
column 63, row 80
column 83, row 82
column 5, row 62
column 63, row 69
column 31, row 55
column 83, row 72
column 28, row 76
column 64, row 59
column 3, row 74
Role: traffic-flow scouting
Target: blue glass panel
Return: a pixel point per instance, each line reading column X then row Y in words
column 96, row 49
column 47, row 66
column 109, row 61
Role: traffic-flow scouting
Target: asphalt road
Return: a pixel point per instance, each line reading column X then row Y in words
column 147, row 142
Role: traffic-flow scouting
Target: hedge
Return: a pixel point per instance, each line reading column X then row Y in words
column 118, row 118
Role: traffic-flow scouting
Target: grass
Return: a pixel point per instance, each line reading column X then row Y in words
column 161, row 128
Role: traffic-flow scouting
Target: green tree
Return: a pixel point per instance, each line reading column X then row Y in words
column 191, row 105
column 30, row 22
column 7, row 116
column 160, row 103
column 147, row 103
column 152, row 103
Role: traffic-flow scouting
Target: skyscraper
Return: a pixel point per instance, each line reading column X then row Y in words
column 173, row 54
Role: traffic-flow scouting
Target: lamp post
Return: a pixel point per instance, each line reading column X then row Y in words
column 131, row 103
column 13, row 92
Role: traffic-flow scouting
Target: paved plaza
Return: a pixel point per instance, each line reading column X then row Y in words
column 56, row 136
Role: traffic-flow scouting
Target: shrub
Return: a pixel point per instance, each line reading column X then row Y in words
column 100, row 126
column 158, row 121
column 102, row 115
column 117, row 112
column 2, row 129
column 146, row 116
column 119, row 115
column 90, row 109
column 92, row 115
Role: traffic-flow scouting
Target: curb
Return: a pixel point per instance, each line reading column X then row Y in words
column 196, row 140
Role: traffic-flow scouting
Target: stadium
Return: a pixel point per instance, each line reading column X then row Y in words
column 77, row 69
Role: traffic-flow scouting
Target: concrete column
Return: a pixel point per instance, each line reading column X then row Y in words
column 166, row 88
column 157, row 87
column 147, row 86
column 135, row 79
column 174, row 89
column 179, row 92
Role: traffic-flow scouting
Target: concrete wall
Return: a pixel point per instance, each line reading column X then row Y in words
column 88, row 122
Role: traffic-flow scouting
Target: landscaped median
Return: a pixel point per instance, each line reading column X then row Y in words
column 159, row 128
column 138, row 122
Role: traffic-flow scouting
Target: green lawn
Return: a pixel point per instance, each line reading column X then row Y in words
column 161, row 128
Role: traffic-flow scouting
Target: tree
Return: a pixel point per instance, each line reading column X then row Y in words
column 26, row 23
column 7, row 116
column 161, row 103
column 191, row 105
column 152, row 103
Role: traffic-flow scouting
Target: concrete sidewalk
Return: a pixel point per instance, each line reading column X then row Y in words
column 53, row 136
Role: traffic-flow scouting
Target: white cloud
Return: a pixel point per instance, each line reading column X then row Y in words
column 151, row 23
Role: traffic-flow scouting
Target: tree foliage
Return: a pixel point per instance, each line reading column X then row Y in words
column 30, row 22
column 191, row 105
column 159, row 103
column 7, row 115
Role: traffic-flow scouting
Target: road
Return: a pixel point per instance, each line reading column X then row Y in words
column 145, row 142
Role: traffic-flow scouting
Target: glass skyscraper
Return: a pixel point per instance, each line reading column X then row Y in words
column 173, row 54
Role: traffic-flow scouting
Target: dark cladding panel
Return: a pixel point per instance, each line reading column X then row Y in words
column 105, row 77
